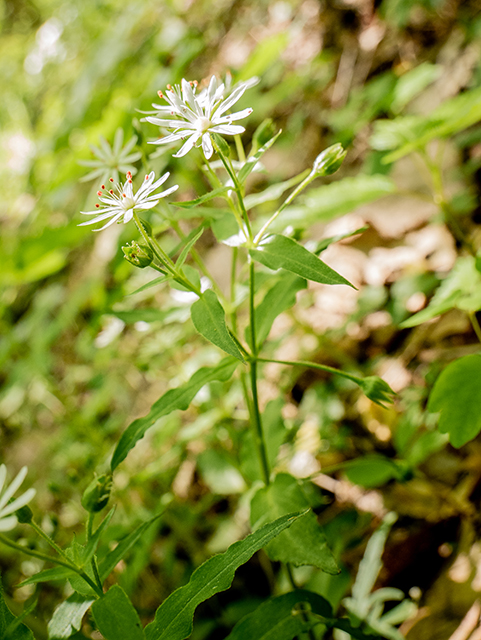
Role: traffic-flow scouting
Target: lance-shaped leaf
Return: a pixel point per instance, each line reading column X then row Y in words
column 208, row 317
column 173, row 619
column 456, row 395
column 11, row 628
column 287, row 616
column 304, row 543
column 49, row 575
column 281, row 297
column 189, row 204
column 281, row 252
column 178, row 398
column 253, row 160
column 191, row 240
column 67, row 618
column 116, row 617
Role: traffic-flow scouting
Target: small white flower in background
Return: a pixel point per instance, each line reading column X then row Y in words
column 7, row 520
column 195, row 117
column 122, row 202
column 112, row 159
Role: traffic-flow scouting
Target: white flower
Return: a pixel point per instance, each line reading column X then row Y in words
column 196, row 117
column 123, row 202
column 8, row 521
column 111, row 159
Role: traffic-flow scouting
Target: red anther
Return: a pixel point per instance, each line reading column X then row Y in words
column 103, row 186
column 171, row 113
column 111, row 179
column 191, row 83
column 129, row 175
column 123, row 195
column 98, row 206
column 195, row 83
column 169, row 87
column 111, row 192
column 160, row 94
column 130, row 181
column 99, row 193
column 146, row 177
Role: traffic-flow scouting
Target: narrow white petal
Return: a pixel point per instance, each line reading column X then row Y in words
column 207, row 146
column 232, row 99
column 187, row 145
column 7, row 524
column 109, row 222
column 100, row 211
column 14, row 485
column 20, row 502
column 128, row 215
column 233, row 116
column 172, row 138
column 167, row 192
column 228, row 129
column 3, row 475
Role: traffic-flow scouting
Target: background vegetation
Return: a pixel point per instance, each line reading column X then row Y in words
column 81, row 358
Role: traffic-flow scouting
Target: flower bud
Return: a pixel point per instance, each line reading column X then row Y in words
column 24, row 515
column 377, row 390
column 97, row 494
column 329, row 160
column 140, row 255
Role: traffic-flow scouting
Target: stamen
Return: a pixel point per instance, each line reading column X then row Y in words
column 99, row 193
column 160, row 94
column 123, row 195
column 146, row 177
column 98, row 206
column 103, row 186
column 111, row 191
column 169, row 87
column 111, row 179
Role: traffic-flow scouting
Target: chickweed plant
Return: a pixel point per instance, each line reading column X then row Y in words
column 268, row 265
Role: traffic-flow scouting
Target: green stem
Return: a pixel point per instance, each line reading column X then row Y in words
column 49, row 540
column 310, row 177
column 304, row 614
column 314, row 365
column 237, row 188
column 93, row 562
column 239, row 148
column 53, row 560
column 256, row 414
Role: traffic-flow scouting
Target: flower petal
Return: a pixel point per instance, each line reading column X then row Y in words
column 207, row 146
column 14, row 485
column 188, row 145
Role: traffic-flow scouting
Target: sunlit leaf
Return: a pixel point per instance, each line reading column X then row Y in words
column 67, row 618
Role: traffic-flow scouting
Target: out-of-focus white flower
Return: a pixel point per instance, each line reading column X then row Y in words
column 123, row 202
column 194, row 117
column 112, row 159
column 7, row 520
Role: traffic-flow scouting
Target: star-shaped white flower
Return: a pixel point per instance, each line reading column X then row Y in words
column 194, row 117
column 122, row 202
column 7, row 520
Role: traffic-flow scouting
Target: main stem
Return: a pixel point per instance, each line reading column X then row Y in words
column 256, row 414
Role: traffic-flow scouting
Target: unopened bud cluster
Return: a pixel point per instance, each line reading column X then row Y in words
column 140, row 255
column 97, row 494
column 329, row 160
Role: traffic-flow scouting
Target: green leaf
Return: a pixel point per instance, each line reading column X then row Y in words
column 173, row 619
column 412, row 83
column 115, row 556
column 371, row 471
column 282, row 618
column 253, row 160
column 304, row 543
column 456, row 395
column 274, row 191
column 10, row 626
column 219, row 473
column 335, row 199
column 281, row 297
column 460, row 289
column 208, row 317
column 190, row 204
column 89, row 549
column 276, row 252
column 150, row 284
column 67, row 618
column 57, row 573
column 116, row 617
column 178, row 398
column 194, row 236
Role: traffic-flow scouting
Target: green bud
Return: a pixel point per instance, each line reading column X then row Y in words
column 140, row 255
column 264, row 132
column 97, row 494
column 377, row 390
column 329, row 161
column 24, row 515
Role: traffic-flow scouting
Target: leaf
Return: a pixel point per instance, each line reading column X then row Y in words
column 253, row 160
column 115, row 556
column 335, row 199
column 10, row 626
column 276, row 252
column 190, row 204
column 371, row 471
column 89, row 549
column 460, row 289
column 67, row 618
column 150, row 284
column 412, row 83
column 274, row 191
column 116, row 617
column 304, row 543
column 456, row 395
column 208, row 317
column 219, row 473
column 178, row 398
column 173, row 619
column 57, row 573
column 281, row 297
column 281, row 618
column 188, row 246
